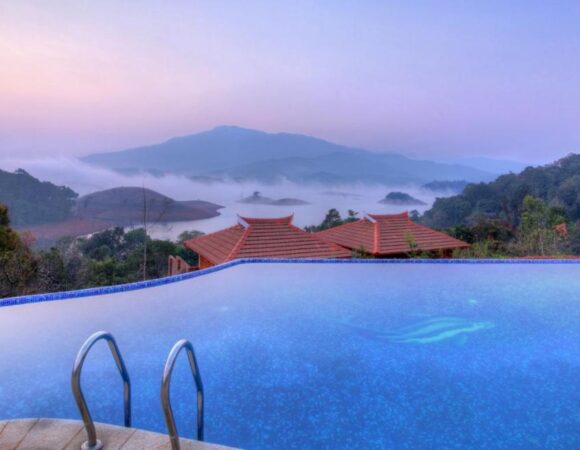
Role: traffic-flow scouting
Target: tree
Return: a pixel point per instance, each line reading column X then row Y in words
column 331, row 220
column 352, row 216
column 189, row 256
column 556, row 184
column 411, row 241
column 536, row 234
column 52, row 273
column 17, row 265
column 188, row 235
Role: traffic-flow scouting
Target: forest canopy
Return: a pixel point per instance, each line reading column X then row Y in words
column 557, row 184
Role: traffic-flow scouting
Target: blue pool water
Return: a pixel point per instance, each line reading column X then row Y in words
column 315, row 356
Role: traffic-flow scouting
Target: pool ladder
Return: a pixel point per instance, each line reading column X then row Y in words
column 92, row 442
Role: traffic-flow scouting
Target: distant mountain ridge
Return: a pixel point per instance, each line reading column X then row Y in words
column 229, row 152
column 497, row 166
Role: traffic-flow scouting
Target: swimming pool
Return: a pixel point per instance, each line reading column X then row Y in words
column 347, row 355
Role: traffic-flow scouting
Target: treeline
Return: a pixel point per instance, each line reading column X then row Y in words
column 333, row 219
column 534, row 213
column 110, row 257
column 32, row 201
column 557, row 185
column 541, row 230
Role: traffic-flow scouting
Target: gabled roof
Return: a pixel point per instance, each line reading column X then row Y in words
column 389, row 234
column 263, row 238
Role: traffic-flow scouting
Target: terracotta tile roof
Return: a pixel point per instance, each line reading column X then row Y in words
column 264, row 238
column 384, row 235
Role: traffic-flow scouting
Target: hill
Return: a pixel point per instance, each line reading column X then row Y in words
column 120, row 207
column 127, row 206
column 258, row 199
column 242, row 154
column 454, row 186
column 558, row 184
column 401, row 198
column 31, row 201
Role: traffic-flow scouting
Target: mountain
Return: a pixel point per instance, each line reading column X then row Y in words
column 558, row 184
column 454, row 186
column 242, row 154
column 221, row 148
column 496, row 166
column 351, row 167
column 31, row 201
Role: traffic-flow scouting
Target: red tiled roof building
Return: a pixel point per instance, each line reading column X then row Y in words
column 262, row 238
column 390, row 235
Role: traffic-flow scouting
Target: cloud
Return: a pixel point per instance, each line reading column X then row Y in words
column 84, row 179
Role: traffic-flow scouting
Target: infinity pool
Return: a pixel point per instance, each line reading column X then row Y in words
column 316, row 356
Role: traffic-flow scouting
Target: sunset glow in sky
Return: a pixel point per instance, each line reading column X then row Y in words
column 424, row 78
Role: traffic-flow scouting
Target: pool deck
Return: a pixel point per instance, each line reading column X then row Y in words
column 53, row 434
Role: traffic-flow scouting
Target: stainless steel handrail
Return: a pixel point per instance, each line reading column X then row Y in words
column 165, row 385
column 93, row 443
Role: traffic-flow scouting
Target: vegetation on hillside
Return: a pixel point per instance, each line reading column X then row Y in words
column 32, row 201
column 557, row 184
column 110, row 257
column 456, row 186
column 16, row 260
column 542, row 230
column 534, row 213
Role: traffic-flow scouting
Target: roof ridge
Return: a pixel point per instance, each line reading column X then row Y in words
column 239, row 244
column 338, row 226
column 204, row 236
column 317, row 238
column 199, row 244
column 389, row 216
column 281, row 220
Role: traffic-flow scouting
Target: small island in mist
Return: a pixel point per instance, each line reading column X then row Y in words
column 258, row 199
column 401, row 198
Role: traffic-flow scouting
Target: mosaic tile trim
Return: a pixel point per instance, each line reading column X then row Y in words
column 37, row 298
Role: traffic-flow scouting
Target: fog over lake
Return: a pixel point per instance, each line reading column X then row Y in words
column 85, row 179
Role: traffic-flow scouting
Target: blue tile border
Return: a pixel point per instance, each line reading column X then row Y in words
column 37, row 298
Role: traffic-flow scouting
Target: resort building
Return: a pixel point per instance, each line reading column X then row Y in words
column 177, row 265
column 390, row 236
column 262, row 238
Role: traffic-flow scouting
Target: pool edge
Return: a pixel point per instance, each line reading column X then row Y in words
column 104, row 290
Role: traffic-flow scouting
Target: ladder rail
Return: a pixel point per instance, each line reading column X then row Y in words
column 93, row 443
column 165, row 388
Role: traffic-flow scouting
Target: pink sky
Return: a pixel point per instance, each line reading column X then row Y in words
column 423, row 78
